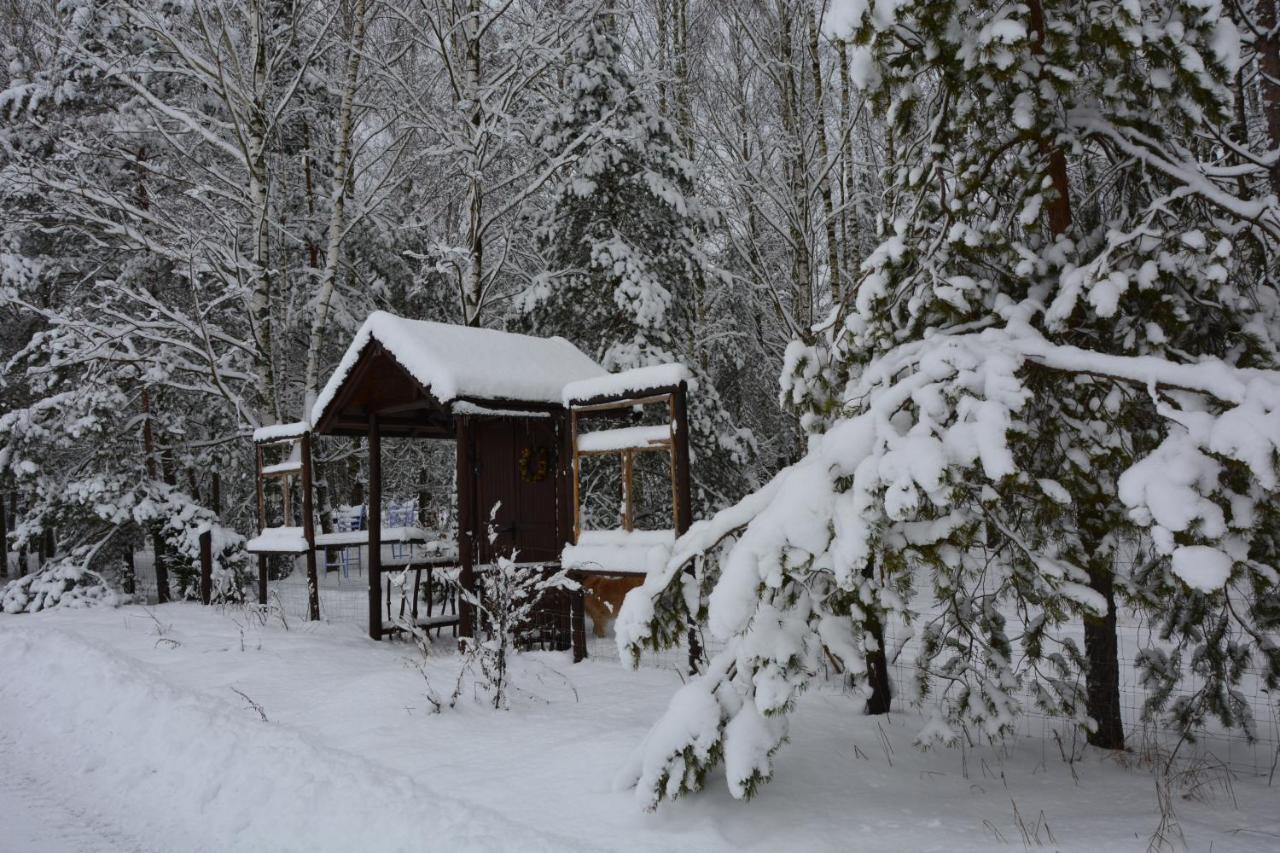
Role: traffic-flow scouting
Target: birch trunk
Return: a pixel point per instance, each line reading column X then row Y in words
column 256, row 162
column 848, row 215
column 337, row 216
column 684, row 103
column 824, row 153
column 797, row 169
column 473, row 276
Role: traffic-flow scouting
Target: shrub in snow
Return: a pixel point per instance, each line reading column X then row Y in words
column 506, row 601
column 1026, row 392
column 79, row 464
column 64, row 582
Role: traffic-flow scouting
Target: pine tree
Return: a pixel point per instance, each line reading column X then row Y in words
column 1031, row 386
column 622, row 240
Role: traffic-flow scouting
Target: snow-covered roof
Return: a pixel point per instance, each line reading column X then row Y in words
column 626, row 382
column 280, row 432
column 460, row 361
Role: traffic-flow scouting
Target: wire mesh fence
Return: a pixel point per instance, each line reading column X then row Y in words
column 1255, row 752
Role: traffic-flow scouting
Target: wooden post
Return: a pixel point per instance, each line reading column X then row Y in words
column 578, row 622
column 628, row 489
column 215, row 494
column 375, row 529
column 577, row 476
column 309, row 532
column 262, row 579
column 4, row 541
column 466, row 522
column 206, row 567
column 683, row 508
column 683, row 502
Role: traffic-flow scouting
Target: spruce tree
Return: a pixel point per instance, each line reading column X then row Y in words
column 623, row 243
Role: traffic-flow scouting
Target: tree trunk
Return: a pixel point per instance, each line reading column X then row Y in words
column 683, row 99
column 260, row 297
column 324, row 501
column 128, row 576
column 1268, row 49
column 22, row 549
column 1103, row 652
column 1102, row 648
column 4, row 541
column 157, row 540
column 848, row 211
column 878, row 672
column 353, row 470
column 824, row 176
column 797, row 171
column 424, row 498
column 877, row 662
column 473, row 276
column 664, row 51
column 161, row 568
column 337, row 217
column 1060, row 207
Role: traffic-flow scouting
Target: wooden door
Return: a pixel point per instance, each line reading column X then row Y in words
column 516, row 461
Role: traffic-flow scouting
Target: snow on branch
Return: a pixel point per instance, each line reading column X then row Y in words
column 932, row 456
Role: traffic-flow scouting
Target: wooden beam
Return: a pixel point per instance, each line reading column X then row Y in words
column 663, row 445
column 683, row 509
column 612, row 402
column 375, row 529
column 401, row 408
column 346, row 390
column 509, row 405
column 466, row 474
column 309, row 530
column 564, row 480
column 262, row 579
column 577, row 476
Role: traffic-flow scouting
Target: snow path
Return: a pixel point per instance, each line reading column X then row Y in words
column 38, row 818
column 171, row 762
column 122, row 726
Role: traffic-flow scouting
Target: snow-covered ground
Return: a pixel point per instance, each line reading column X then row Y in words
column 129, row 729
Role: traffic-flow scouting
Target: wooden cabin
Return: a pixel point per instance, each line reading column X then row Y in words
column 524, row 412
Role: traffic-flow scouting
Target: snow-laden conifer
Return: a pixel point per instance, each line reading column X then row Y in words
column 624, row 239
column 1035, row 387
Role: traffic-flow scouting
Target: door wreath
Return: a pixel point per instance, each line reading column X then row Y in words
column 534, row 464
